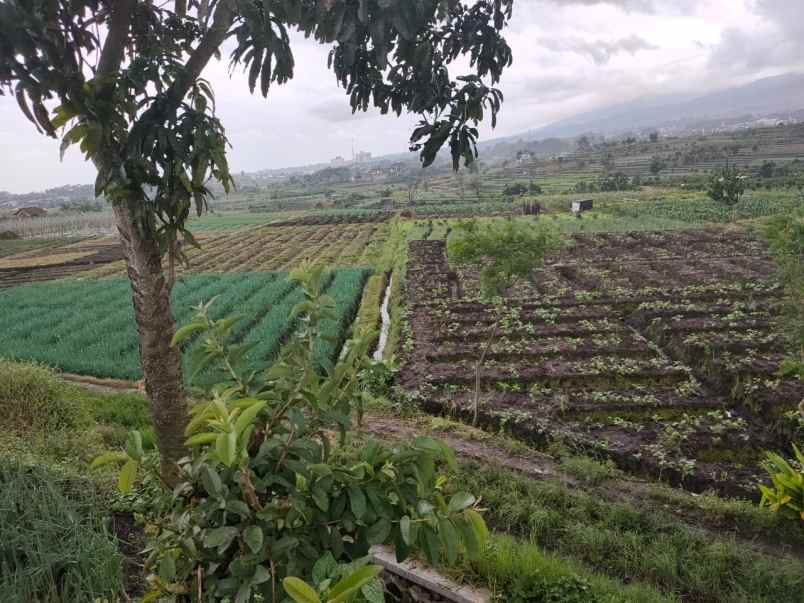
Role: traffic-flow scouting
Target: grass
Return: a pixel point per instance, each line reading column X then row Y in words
column 54, row 546
column 31, row 399
column 630, row 543
column 521, row 572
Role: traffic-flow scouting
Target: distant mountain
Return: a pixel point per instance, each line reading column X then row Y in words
column 776, row 95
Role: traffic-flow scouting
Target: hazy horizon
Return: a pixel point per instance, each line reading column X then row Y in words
column 570, row 56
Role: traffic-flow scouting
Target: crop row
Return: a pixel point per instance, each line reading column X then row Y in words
column 280, row 248
column 87, row 326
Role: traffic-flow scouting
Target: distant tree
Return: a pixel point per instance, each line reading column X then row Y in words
column 657, row 164
column 767, row 169
column 534, row 188
column 726, row 185
column 124, row 80
column 654, row 137
column 583, row 144
column 509, row 251
column 607, row 161
column 515, row 189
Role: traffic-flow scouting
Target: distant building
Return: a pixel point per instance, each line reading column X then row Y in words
column 581, row 205
column 30, row 212
column 338, row 161
column 362, row 156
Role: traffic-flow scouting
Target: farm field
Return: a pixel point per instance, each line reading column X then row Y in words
column 657, row 349
column 66, row 324
column 279, row 248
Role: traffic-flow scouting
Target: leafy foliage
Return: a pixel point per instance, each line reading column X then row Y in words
column 264, row 494
column 787, row 494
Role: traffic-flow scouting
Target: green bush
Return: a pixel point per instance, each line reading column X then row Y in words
column 53, row 544
column 33, row 397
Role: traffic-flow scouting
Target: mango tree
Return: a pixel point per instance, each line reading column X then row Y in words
column 122, row 79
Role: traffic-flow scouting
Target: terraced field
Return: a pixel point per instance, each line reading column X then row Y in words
column 657, row 349
column 58, row 258
column 279, row 248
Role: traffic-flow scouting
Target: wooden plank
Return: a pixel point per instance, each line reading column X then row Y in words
column 417, row 573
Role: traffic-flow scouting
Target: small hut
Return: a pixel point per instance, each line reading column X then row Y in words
column 581, row 205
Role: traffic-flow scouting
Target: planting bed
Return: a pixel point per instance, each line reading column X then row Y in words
column 359, row 217
column 67, row 324
column 58, row 259
column 280, row 248
column 656, row 349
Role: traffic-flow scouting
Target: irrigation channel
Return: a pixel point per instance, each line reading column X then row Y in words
column 386, row 321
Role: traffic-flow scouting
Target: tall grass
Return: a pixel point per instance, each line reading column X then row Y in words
column 54, row 546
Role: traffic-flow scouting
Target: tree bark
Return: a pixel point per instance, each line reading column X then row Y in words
column 161, row 363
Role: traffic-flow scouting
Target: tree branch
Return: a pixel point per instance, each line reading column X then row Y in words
column 210, row 43
column 213, row 38
column 112, row 53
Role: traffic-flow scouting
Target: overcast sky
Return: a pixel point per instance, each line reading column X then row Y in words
column 569, row 56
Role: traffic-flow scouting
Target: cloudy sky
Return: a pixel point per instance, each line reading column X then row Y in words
column 569, row 56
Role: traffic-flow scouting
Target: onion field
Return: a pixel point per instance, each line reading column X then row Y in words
column 87, row 326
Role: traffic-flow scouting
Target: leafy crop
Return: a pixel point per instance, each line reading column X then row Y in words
column 87, row 327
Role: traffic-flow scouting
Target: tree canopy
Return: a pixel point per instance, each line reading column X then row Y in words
column 126, row 77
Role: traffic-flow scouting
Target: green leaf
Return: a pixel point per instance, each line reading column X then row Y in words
column 353, row 582
column 320, row 497
column 378, row 533
column 127, row 475
column 449, row 538
column 211, row 481
column 109, row 457
column 357, row 501
column 252, row 536
column 300, row 591
column 167, row 568
column 134, row 445
column 220, row 538
column 404, row 528
column 186, row 332
column 461, row 501
column 324, row 568
column 201, row 439
column 247, row 417
column 373, row 592
column 479, row 527
column 261, row 575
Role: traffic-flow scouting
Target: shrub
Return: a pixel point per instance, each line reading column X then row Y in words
column 53, row 545
column 32, row 397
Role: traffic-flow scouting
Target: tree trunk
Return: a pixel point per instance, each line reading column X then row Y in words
column 161, row 363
